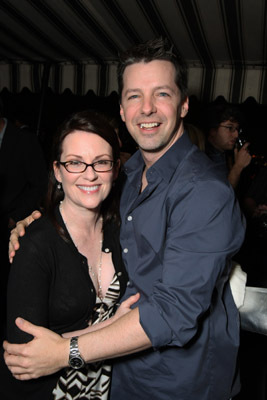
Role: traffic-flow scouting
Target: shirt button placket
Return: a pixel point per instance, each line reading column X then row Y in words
column 129, row 218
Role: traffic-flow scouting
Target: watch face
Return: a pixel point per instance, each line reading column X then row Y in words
column 76, row 362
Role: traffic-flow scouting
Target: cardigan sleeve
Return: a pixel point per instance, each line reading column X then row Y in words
column 28, row 290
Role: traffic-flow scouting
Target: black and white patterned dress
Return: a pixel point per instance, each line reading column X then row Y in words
column 93, row 381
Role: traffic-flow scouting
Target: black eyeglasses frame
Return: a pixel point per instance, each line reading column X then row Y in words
column 66, row 163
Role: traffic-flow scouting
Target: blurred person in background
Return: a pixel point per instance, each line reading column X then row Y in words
column 23, row 179
column 223, row 127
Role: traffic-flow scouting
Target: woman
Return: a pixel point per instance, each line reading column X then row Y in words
column 68, row 274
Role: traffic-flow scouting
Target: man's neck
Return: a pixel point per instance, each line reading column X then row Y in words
column 214, row 145
column 150, row 157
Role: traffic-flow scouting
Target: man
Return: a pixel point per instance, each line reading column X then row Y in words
column 23, row 172
column 180, row 228
column 223, row 131
column 23, row 179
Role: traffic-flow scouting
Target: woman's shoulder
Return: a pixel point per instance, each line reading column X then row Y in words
column 39, row 225
column 41, row 244
column 41, row 230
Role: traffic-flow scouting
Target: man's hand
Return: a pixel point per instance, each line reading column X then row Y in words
column 242, row 157
column 19, row 231
column 242, row 160
column 45, row 354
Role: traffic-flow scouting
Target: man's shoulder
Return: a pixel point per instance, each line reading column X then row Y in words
column 11, row 131
column 18, row 136
column 199, row 167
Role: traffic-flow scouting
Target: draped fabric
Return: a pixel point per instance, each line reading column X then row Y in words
column 223, row 42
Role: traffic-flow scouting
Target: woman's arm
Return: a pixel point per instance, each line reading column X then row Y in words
column 27, row 290
column 124, row 308
column 49, row 352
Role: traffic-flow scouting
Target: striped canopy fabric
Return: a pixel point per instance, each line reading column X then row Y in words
column 77, row 42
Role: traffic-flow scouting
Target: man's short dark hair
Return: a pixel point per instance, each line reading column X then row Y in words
column 155, row 49
column 223, row 112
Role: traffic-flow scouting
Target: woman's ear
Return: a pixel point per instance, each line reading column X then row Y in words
column 57, row 171
column 122, row 113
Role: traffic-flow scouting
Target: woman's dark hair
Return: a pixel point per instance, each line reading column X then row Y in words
column 155, row 49
column 91, row 122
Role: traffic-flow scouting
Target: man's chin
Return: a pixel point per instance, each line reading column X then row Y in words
column 152, row 149
column 230, row 147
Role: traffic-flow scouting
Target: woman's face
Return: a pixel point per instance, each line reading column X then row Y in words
column 87, row 189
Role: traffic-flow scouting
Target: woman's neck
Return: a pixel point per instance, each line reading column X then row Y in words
column 80, row 219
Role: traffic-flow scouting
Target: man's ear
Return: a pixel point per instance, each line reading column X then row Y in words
column 122, row 113
column 185, row 107
column 212, row 132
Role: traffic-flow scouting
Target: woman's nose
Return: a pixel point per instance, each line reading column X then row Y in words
column 90, row 173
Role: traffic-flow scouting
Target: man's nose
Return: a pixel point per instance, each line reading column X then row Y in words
column 148, row 105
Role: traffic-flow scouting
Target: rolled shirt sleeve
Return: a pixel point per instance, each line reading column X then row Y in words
column 204, row 231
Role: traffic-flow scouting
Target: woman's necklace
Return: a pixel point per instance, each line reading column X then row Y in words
column 97, row 276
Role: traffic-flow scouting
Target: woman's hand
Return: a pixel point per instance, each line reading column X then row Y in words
column 45, row 354
column 125, row 306
column 19, row 231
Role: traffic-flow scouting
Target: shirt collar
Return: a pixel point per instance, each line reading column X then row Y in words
column 166, row 165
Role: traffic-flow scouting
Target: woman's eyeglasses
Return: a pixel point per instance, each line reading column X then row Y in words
column 77, row 167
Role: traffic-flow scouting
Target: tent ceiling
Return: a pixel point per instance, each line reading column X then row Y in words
column 222, row 40
column 203, row 31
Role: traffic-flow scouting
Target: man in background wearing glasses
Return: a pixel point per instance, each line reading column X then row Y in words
column 223, row 136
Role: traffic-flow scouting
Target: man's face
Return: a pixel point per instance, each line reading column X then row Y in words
column 224, row 136
column 151, row 106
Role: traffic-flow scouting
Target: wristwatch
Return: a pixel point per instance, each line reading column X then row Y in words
column 75, row 359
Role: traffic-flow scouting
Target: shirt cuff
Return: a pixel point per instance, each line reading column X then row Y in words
column 154, row 325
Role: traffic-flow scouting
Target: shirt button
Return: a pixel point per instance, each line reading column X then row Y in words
column 106, row 250
column 119, row 273
column 128, row 283
column 129, row 218
column 125, row 250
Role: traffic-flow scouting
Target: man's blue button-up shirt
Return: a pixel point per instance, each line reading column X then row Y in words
column 178, row 237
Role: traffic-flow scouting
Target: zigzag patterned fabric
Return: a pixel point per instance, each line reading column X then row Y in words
column 93, row 381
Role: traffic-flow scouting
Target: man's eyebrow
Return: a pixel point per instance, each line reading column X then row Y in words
column 128, row 91
column 137, row 90
column 164, row 87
